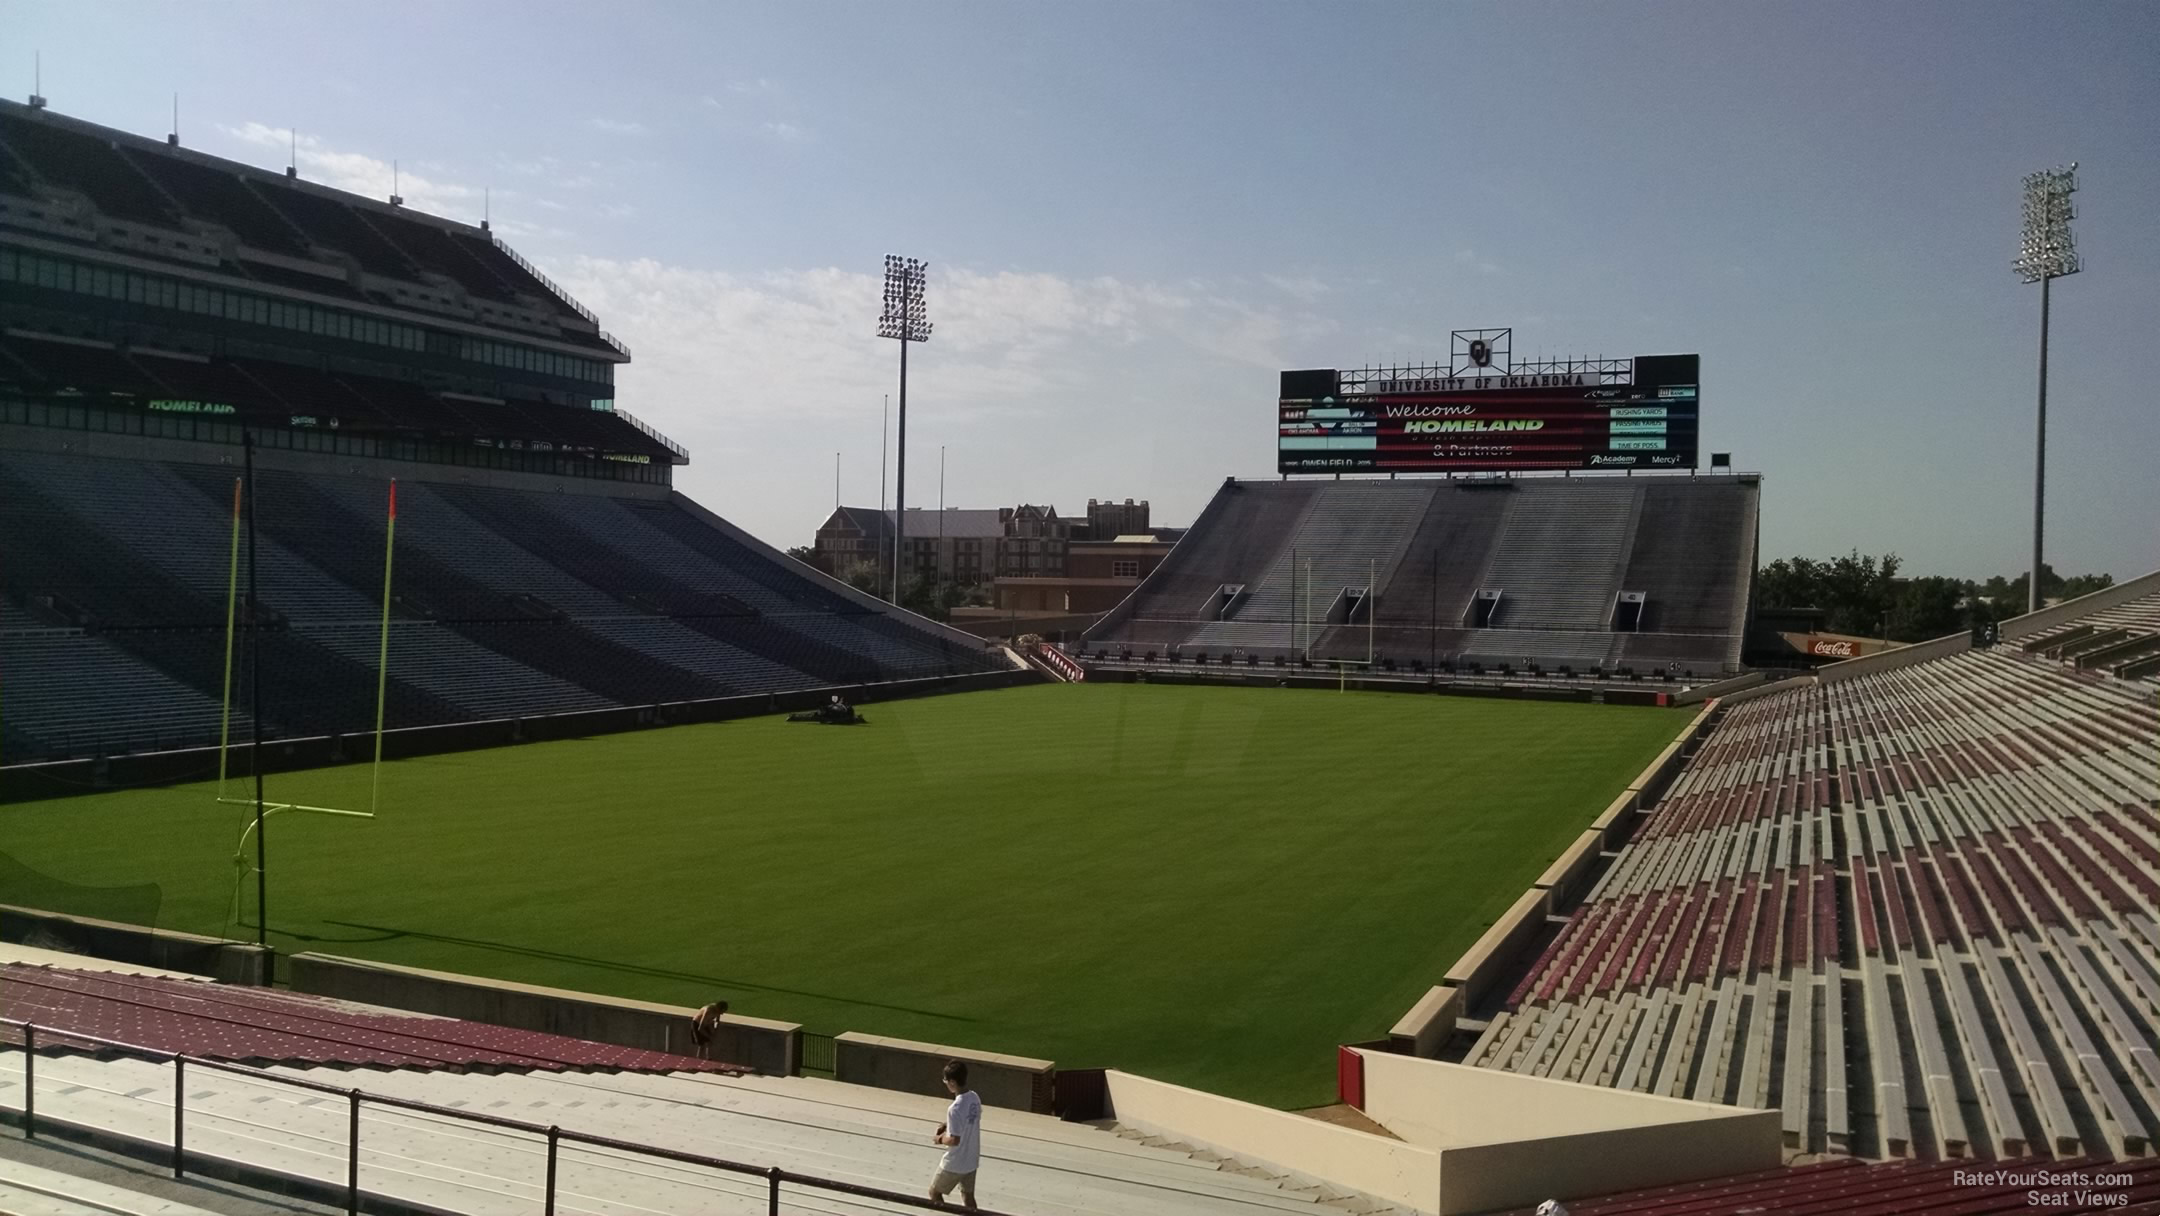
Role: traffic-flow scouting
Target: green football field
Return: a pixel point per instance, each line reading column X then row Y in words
column 1211, row 886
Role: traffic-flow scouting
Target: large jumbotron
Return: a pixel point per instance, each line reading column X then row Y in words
column 1414, row 839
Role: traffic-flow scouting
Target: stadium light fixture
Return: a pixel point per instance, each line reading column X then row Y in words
column 2046, row 252
column 906, row 318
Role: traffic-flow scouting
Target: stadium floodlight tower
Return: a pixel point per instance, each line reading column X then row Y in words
column 2046, row 252
column 906, row 318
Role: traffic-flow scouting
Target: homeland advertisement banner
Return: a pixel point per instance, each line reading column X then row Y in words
column 1494, row 423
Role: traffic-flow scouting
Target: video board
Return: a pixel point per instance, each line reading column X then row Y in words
column 1492, row 423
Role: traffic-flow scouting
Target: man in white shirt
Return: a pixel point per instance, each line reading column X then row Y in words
column 961, row 1135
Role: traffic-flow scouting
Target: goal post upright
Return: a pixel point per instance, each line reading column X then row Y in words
column 382, row 667
column 232, row 600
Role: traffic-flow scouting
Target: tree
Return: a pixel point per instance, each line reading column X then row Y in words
column 2008, row 599
column 864, row 577
column 1926, row 608
column 1853, row 591
column 933, row 598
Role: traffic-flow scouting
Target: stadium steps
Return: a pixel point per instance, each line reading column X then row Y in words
column 638, row 565
column 1031, row 1163
column 610, row 543
column 1438, row 575
column 1238, row 535
column 194, row 531
column 729, row 554
column 349, row 547
column 216, row 196
column 1693, row 555
column 88, row 165
column 1558, row 556
column 77, row 695
column 430, row 523
column 28, row 1189
column 440, row 661
column 1353, row 535
column 165, row 625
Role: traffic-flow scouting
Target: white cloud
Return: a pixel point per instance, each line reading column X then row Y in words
column 1470, row 259
column 785, row 132
column 535, row 167
column 756, row 373
column 614, row 126
column 1305, row 289
column 362, row 174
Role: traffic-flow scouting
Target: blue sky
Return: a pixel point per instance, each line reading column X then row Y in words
column 1137, row 213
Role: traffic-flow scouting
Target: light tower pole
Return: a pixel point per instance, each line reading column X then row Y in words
column 906, row 318
column 2046, row 252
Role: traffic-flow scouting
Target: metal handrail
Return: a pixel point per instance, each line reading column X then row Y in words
column 653, row 434
column 560, row 294
column 555, row 1135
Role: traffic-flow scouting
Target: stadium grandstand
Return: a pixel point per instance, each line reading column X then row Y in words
column 1912, row 903
column 1607, row 574
column 160, row 305
column 1847, row 933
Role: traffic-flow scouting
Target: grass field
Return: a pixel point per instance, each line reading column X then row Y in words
column 1212, row 886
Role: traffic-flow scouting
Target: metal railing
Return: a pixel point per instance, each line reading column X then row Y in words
column 560, row 294
column 554, row 1136
column 682, row 454
column 817, row 1053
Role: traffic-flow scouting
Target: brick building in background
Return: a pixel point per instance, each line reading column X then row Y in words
column 1035, row 562
column 977, row 547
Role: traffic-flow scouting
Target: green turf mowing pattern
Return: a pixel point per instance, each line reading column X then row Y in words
column 1211, row 886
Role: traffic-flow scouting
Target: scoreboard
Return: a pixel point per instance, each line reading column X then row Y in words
column 1492, row 423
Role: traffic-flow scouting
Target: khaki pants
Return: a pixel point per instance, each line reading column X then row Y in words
column 946, row 1180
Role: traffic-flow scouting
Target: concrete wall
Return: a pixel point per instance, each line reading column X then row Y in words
column 228, row 961
column 1429, row 1022
column 1765, row 690
column 1479, row 1178
column 1013, row 1082
column 1618, row 818
column 1563, row 878
column 1314, row 1152
column 1507, row 1140
column 758, row 1043
column 1704, row 692
column 1890, row 660
column 1488, row 958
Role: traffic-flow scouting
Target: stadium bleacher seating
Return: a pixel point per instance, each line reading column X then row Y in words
column 220, row 197
column 1916, row 910
column 1559, row 551
column 89, row 166
column 507, row 604
column 331, row 224
column 2123, row 640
